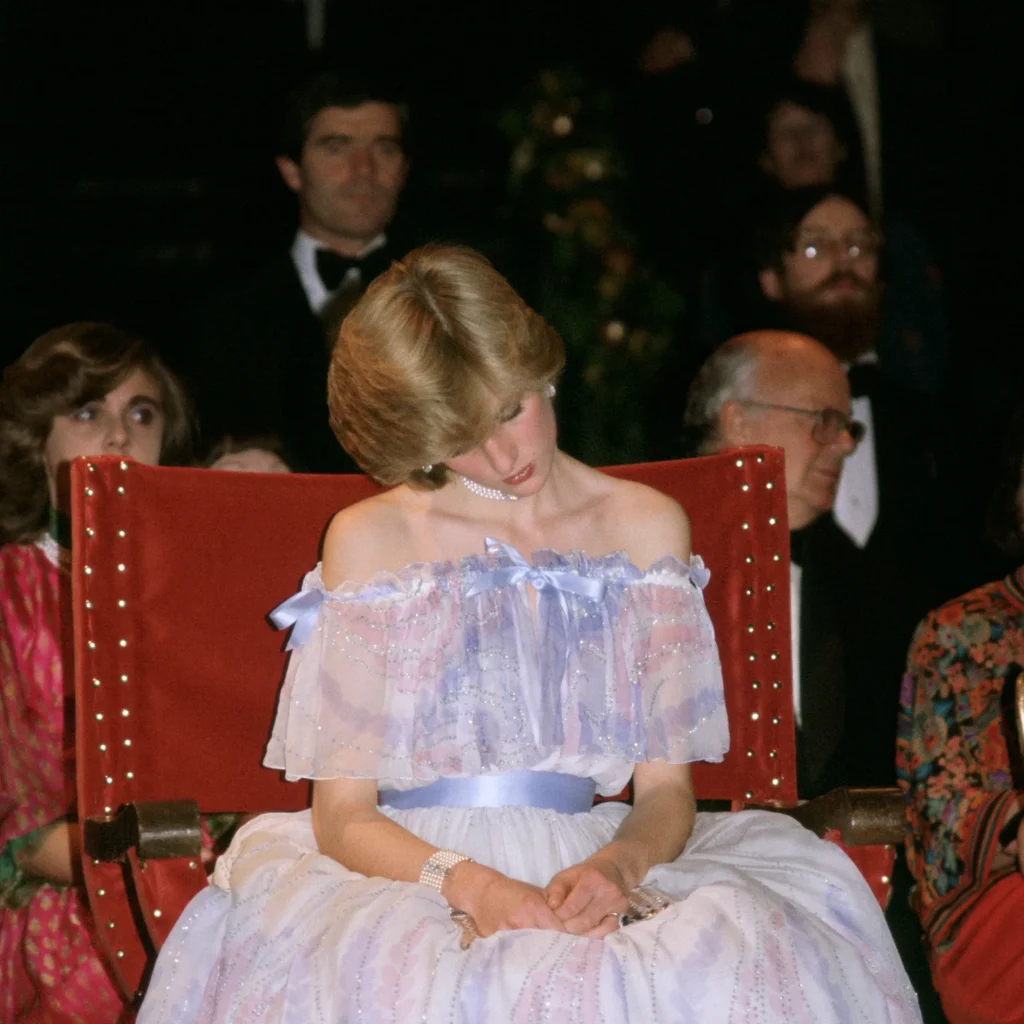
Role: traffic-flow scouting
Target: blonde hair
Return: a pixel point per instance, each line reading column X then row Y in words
column 428, row 357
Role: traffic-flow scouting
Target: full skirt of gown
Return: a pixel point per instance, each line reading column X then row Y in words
column 771, row 924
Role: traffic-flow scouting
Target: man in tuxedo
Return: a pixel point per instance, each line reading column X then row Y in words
column 266, row 341
column 787, row 390
column 819, row 260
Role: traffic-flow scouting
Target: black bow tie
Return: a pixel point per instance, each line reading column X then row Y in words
column 332, row 267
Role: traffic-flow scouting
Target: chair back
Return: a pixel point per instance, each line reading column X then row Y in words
column 177, row 669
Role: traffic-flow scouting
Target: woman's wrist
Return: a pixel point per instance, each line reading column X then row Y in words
column 629, row 859
column 464, row 883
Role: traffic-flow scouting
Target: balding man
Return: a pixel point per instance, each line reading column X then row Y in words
column 787, row 390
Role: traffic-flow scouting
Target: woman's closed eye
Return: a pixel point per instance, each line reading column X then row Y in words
column 507, row 417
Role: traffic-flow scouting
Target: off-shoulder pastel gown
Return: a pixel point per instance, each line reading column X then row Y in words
column 495, row 665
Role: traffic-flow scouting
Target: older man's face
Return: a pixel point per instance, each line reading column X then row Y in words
column 810, row 380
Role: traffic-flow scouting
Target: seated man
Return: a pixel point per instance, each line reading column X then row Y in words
column 787, row 390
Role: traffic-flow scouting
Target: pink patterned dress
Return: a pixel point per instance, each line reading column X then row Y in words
column 49, row 967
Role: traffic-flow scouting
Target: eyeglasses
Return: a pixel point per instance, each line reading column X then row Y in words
column 829, row 424
column 856, row 246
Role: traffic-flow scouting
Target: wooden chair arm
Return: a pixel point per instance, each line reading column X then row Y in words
column 156, row 830
column 863, row 817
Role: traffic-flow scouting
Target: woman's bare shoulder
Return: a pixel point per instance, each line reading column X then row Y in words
column 649, row 523
column 366, row 538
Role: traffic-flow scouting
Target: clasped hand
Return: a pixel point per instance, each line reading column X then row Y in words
column 585, row 899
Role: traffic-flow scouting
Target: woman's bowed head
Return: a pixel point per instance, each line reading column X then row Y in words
column 442, row 369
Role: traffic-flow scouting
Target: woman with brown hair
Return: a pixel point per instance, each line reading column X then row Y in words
column 82, row 389
column 458, row 702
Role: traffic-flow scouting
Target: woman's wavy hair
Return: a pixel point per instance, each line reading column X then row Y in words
column 423, row 361
column 58, row 373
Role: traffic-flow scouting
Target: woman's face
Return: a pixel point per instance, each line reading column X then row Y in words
column 517, row 457
column 127, row 421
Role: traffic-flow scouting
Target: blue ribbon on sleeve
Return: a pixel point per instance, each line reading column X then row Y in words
column 299, row 611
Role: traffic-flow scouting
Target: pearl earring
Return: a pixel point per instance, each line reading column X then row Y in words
column 550, row 391
column 428, row 468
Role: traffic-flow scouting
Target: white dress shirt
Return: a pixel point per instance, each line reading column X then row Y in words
column 856, row 505
column 303, row 253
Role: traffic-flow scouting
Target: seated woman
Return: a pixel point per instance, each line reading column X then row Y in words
column 959, row 766
column 458, row 700
column 82, row 389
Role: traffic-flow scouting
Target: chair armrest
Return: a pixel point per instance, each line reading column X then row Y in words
column 863, row 817
column 154, row 829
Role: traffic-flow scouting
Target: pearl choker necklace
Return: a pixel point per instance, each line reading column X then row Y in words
column 485, row 492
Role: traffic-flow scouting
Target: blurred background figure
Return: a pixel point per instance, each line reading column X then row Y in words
column 959, row 759
column 264, row 342
column 83, row 389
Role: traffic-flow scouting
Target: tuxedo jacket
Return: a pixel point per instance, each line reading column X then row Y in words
column 261, row 369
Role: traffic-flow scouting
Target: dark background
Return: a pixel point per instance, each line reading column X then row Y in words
column 139, row 140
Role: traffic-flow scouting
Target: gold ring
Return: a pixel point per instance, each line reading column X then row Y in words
column 611, row 913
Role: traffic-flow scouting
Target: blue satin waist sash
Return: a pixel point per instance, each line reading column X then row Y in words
column 555, row 791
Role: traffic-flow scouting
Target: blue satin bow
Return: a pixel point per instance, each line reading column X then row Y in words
column 521, row 571
column 300, row 611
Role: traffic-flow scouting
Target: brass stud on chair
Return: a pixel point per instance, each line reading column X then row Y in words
column 88, row 492
column 120, row 566
column 101, row 892
column 776, row 720
column 193, row 865
column 119, row 954
column 750, row 627
column 125, row 712
column 774, row 656
column 770, row 588
column 127, row 743
column 739, row 463
column 769, row 486
column 772, row 753
column 120, row 490
column 122, row 643
column 110, row 924
column 745, row 488
column 749, row 591
column 760, row 458
column 772, row 520
column 776, row 558
column 92, row 468
column 756, row 685
column 91, row 644
column 752, row 656
column 885, row 879
column 158, row 912
column 124, row 679
column 109, row 780
column 755, row 715
column 748, row 795
column 777, row 685
column 122, row 534
column 103, row 748
column 99, row 716
column 88, row 606
column 89, row 531
column 750, row 559
column 95, row 682
column 129, row 775
column 775, row 782
column 750, row 753
column 122, row 603
column 770, row 625
column 744, row 526
column 88, row 570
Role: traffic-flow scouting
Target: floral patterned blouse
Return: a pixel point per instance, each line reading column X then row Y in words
column 953, row 758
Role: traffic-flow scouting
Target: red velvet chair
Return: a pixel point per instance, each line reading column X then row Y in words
column 177, row 669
